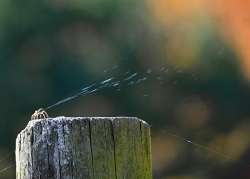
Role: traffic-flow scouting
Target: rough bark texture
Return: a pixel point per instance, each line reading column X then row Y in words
column 84, row 148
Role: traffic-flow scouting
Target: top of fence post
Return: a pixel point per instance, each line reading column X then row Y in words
column 84, row 147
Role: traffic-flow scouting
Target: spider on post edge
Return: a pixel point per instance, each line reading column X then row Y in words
column 39, row 114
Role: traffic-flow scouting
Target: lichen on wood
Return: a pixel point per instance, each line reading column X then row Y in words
column 84, row 148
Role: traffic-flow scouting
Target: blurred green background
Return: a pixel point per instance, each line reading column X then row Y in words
column 193, row 53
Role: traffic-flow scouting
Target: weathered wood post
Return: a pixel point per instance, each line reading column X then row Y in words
column 84, row 148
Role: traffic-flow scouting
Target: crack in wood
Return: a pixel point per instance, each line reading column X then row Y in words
column 113, row 138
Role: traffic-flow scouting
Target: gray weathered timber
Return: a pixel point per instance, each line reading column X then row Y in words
column 84, row 148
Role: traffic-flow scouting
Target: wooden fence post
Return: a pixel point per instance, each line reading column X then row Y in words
column 84, row 148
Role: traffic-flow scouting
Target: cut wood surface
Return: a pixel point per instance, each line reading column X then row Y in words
column 84, row 148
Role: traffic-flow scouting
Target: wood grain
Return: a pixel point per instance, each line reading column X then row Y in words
column 84, row 148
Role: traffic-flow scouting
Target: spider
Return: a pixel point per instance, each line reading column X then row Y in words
column 39, row 114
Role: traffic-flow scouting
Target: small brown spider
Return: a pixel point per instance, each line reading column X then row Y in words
column 39, row 114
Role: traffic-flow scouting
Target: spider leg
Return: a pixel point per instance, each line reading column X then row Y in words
column 46, row 114
column 43, row 114
column 40, row 115
column 34, row 116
